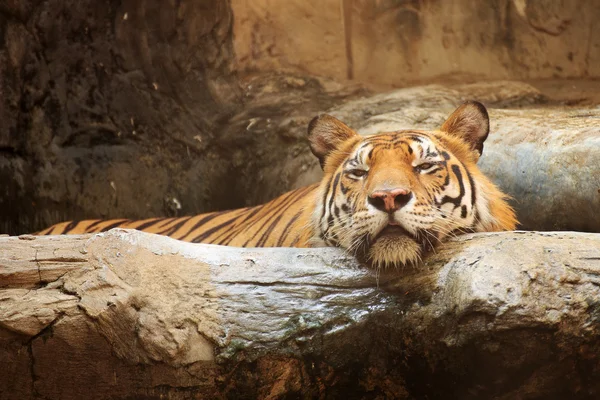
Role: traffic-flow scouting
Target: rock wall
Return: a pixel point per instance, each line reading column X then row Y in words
column 111, row 108
column 132, row 109
column 135, row 109
column 392, row 42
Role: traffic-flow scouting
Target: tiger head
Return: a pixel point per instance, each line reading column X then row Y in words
column 390, row 197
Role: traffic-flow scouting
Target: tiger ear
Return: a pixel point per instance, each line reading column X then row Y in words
column 471, row 123
column 325, row 134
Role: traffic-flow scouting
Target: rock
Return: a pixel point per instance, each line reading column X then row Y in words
column 502, row 315
column 102, row 104
column 548, row 160
column 391, row 42
column 546, row 157
column 112, row 109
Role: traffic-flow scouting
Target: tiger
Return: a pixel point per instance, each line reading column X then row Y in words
column 387, row 198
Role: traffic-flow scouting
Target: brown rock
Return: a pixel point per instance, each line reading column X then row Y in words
column 391, row 42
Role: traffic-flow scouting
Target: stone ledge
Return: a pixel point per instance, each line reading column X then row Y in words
column 133, row 314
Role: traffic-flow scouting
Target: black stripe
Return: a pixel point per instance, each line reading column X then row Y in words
column 336, row 211
column 279, row 209
column 265, row 235
column 164, row 222
column 447, row 179
column 242, row 224
column 325, row 200
column 69, row 227
column 331, row 201
column 286, row 230
column 399, row 140
column 325, row 197
column 296, row 240
column 344, row 188
column 472, row 183
column 203, row 221
column 149, row 224
column 416, row 138
column 458, row 199
column 336, row 181
column 94, row 225
column 51, row 231
column 207, row 233
column 250, row 212
column 169, row 231
column 114, row 225
column 380, row 142
column 429, row 153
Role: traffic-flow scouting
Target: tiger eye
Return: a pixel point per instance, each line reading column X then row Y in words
column 359, row 173
column 424, row 166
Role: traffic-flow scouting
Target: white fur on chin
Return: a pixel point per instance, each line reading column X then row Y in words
column 394, row 251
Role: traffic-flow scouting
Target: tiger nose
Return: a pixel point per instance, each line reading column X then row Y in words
column 390, row 200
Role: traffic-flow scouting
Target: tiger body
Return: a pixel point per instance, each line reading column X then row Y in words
column 387, row 198
column 281, row 222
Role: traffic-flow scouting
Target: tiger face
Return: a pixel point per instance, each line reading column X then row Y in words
column 390, row 197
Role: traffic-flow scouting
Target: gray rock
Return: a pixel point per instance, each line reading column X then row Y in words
column 547, row 158
column 503, row 315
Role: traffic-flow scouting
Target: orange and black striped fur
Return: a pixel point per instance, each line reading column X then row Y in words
column 386, row 198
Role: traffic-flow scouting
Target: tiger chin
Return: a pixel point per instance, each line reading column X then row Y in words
column 387, row 198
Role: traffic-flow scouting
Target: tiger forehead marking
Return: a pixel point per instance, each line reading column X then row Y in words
column 409, row 144
column 395, row 157
column 435, row 199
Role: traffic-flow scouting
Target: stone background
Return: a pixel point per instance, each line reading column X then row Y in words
column 399, row 41
column 142, row 108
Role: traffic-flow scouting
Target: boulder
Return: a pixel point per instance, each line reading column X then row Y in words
column 547, row 157
column 127, row 314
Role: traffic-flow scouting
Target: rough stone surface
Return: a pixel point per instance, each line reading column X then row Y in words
column 506, row 315
column 394, row 42
column 265, row 141
column 109, row 108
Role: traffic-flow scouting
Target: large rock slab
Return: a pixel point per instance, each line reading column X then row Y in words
column 546, row 157
column 503, row 315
